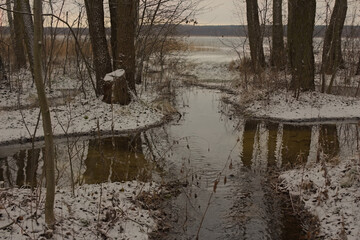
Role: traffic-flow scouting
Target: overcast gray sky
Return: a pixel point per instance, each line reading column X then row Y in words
column 217, row 13
column 233, row 12
column 225, row 12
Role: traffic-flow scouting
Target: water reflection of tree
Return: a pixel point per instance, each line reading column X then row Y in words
column 289, row 145
column 328, row 141
column 20, row 162
column 296, row 144
column 24, row 168
column 2, row 166
column 116, row 159
column 348, row 138
column 248, row 142
column 259, row 145
column 273, row 128
column 27, row 178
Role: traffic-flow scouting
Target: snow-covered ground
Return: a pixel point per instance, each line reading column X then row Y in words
column 329, row 191
column 106, row 211
column 70, row 114
column 109, row 210
column 310, row 106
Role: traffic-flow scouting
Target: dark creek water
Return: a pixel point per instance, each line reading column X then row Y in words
column 223, row 159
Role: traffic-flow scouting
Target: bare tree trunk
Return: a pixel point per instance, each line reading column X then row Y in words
column 332, row 56
column 358, row 68
column 28, row 30
column 126, row 23
column 19, row 49
column 300, row 39
column 113, row 19
column 255, row 36
column 45, row 113
column 102, row 60
column 278, row 56
column 12, row 31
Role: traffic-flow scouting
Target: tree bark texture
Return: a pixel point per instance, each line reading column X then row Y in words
column 101, row 56
column 255, row 36
column 332, row 56
column 19, row 50
column 300, row 40
column 46, row 120
column 28, row 27
column 113, row 20
column 278, row 56
column 19, row 63
column 126, row 26
column 116, row 89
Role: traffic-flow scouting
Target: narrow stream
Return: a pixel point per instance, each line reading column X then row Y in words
column 223, row 160
column 210, row 146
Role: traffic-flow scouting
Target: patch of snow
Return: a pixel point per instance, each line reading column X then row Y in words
column 330, row 192
column 108, row 210
column 310, row 105
column 79, row 117
column 74, row 116
column 114, row 74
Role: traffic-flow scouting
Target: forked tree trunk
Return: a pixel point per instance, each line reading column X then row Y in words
column 19, row 49
column 126, row 24
column 45, row 113
column 300, row 40
column 255, row 36
column 278, row 56
column 332, row 56
column 101, row 56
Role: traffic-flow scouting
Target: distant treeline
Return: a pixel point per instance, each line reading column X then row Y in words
column 210, row 30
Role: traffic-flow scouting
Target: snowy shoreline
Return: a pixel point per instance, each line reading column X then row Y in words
column 110, row 210
column 91, row 133
column 327, row 190
column 73, row 116
column 311, row 107
column 82, row 118
column 330, row 192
